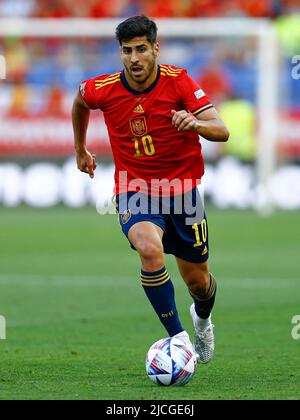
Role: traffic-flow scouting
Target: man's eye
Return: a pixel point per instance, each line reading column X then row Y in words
column 126, row 51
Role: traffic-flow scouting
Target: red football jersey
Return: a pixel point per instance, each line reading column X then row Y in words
column 149, row 152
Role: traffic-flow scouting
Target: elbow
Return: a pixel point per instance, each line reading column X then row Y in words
column 224, row 134
column 221, row 132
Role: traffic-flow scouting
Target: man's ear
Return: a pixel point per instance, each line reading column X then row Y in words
column 156, row 48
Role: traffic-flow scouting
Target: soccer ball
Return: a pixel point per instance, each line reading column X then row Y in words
column 170, row 362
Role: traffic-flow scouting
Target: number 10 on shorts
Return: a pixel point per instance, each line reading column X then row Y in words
column 200, row 233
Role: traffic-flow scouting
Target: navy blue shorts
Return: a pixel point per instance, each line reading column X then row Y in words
column 182, row 218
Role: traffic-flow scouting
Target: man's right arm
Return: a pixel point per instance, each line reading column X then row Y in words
column 86, row 162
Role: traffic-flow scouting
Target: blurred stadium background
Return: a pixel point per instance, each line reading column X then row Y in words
column 43, row 74
column 67, row 278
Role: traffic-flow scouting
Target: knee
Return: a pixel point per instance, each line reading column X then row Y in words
column 198, row 280
column 147, row 240
column 151, row 253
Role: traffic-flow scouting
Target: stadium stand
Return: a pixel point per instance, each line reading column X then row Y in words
column 31, row 61
column 155, row 8
column 43, row 75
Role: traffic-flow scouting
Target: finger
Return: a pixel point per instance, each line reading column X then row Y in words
column 190, row 127
column 175, row 117
column 84, row 169
column 182, row 121
column 184, row 125
column 94, row 162
column 91, row 171
column 179, row 117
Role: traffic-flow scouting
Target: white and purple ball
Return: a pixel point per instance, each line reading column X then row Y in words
column 170, row 362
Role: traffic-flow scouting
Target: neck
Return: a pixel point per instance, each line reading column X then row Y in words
column 140, row 87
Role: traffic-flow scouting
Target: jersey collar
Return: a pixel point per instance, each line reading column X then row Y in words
column 136, row 92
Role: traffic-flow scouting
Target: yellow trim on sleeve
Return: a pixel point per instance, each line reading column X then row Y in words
column 202, row 109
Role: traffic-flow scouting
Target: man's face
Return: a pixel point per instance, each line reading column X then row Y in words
column 139, row 57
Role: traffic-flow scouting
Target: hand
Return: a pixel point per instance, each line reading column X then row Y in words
column 86, row 162
column 184, row 121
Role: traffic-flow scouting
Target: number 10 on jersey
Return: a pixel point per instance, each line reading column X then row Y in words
column 143, row 145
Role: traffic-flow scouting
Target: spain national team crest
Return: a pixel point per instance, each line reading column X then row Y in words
column 138, row 126
column 82, row 89
column 126, row 216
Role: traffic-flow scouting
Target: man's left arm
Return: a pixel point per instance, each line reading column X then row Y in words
column 207, row 124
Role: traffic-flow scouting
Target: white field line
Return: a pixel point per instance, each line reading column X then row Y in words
column 92, row 280
column 62, row 279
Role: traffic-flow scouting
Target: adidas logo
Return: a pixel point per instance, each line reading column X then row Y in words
column 205, row 251
column 139, row 109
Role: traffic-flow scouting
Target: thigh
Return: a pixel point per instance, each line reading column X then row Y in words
column 136, row 224
column 146, row 239
column 145, row 233
column 187, row 236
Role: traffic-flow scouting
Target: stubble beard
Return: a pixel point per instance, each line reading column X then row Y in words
column 148, row 75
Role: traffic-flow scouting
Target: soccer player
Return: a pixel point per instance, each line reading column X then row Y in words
column 155, row 114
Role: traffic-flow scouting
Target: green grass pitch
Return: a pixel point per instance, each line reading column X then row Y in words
column 79, row 324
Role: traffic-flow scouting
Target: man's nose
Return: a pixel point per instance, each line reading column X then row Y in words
column 134, row 57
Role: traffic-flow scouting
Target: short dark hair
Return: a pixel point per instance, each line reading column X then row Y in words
column 137, row 26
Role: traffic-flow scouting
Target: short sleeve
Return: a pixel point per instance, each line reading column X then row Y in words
column 88, row 93
column 192, row 96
